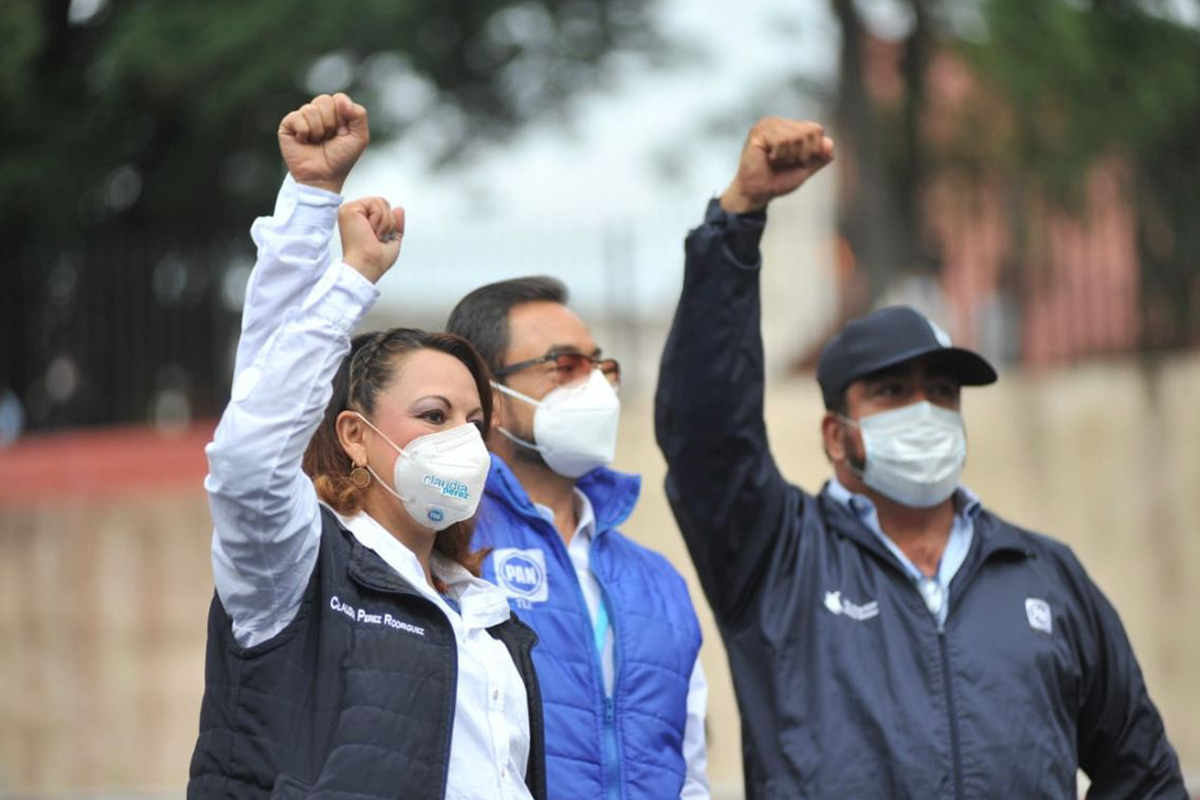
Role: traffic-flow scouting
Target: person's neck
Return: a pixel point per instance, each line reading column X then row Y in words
column 544, row 487
column 920, row 533
column 389, row 512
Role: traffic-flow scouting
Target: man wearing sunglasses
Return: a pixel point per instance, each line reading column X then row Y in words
column 618, row 648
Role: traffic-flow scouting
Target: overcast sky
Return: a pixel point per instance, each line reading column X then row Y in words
column 608, row 198
column 604, row 202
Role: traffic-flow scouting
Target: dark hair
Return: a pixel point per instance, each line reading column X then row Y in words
column 369, row 368
column 482, row 316
column 840, row 407
column 838, row 404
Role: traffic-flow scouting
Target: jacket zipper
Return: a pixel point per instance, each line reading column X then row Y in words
column 976, row 565
column 610, row 763
column 951, row 712
column 453, row 697
column 943, row 652
column 955, row 744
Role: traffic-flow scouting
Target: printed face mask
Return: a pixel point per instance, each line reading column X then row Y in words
column 915, row 454
column 439, row 477
column 574, row 427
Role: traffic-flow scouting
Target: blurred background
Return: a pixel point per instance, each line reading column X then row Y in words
column 1024, row 171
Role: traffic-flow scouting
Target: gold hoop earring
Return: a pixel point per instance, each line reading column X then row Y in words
column 360, row 477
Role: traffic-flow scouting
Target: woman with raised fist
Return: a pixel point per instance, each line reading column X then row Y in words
column 352, row 648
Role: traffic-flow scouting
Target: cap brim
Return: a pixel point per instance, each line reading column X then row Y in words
column 969, row 367
column 966, row 366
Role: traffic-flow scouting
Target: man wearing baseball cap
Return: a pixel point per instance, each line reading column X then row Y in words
column 889, row 637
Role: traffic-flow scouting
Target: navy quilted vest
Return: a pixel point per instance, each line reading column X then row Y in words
column 335, row 707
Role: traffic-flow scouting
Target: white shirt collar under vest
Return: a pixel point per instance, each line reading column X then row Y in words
column 482, row 604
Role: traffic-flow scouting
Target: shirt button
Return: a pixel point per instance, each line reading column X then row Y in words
column 495, row 694
column 504, row 772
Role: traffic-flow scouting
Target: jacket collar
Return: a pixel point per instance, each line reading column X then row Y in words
column 997, row 537
column 380, row 562
column 992, row 537
column 368, row 569
column 612, row 494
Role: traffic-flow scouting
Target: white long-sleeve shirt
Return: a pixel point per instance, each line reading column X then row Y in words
column 266, row 517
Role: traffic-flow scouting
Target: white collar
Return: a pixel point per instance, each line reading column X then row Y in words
column 482, row 604
column 585, row 516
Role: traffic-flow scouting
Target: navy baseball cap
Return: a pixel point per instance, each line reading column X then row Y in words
column 888, row 337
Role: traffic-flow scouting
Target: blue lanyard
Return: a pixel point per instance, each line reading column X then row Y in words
column 600, row 626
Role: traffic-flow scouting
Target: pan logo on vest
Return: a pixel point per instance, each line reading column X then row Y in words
column 521, row 574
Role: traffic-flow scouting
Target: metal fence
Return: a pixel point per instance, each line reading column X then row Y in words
column 140, row 328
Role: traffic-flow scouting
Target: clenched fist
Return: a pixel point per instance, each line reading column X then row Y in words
column 371, row 234
column 321, row 140
column 779, row 155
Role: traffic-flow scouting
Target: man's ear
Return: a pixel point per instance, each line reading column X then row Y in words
column 832, row 438
column 352, row 436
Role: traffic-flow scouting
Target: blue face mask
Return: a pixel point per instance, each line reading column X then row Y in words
column 915, row 454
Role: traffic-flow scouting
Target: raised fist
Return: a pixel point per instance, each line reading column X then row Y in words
column 779, row 155
column 371, row 234
column 321, row 140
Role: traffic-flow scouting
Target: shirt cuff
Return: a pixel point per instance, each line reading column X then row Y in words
column 741, row 232
column 307, row 205
column 342, row 297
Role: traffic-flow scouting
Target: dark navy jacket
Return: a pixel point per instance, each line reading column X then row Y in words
column 631, row 746
column 334, row 709
column 858, row 694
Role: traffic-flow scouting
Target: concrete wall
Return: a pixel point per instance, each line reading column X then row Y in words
column 1105, row 457
column 104, row 592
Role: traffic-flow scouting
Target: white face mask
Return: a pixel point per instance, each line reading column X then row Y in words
column 915, row 454
column 439, row 477
column 575, row 427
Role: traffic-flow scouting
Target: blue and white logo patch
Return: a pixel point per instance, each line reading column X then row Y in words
column 521, row 574
column 1039, row 615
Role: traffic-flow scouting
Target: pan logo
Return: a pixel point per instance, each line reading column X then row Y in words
column 521, row 574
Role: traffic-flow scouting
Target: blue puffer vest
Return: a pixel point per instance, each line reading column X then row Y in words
column 628, row 746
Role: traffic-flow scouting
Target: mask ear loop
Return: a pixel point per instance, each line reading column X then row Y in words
column 385, row 484
column 383, row 435
column 860, row 473
column 499, row 387
column 530, row 445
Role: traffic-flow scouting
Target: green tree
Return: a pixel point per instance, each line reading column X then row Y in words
column 136, row 130
column 880, row 214
column 1070, row 82
column 181, row 99
column 1110, row 78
